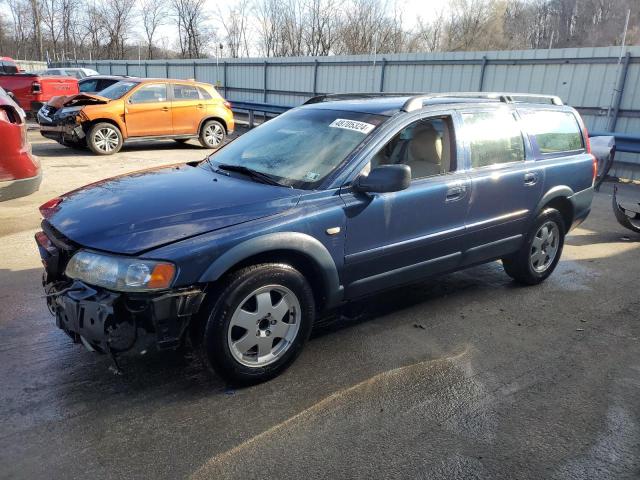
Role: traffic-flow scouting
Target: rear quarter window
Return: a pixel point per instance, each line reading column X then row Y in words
column 554, row 131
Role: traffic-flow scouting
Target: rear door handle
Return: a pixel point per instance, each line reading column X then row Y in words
column 456, row 192
column 530, row 178
column 200, row 106
column 165, row 109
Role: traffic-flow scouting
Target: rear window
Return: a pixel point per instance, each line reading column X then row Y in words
column 8, row 67
column 554, row 131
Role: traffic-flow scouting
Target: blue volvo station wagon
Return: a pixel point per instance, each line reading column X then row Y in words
column 340, row 198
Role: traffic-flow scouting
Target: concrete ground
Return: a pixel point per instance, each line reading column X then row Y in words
column 464, row 376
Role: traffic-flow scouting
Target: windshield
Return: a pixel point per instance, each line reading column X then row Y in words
column 301, row 147
column 117, row 90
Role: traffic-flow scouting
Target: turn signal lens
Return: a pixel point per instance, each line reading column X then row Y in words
column 161, row 276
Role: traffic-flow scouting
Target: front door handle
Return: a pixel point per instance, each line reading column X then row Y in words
column 456, row 192
column 200, row 106
column 165, row 109
column 530, row 178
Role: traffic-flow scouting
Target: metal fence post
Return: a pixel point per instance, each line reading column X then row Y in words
column 224, row 78
column 483, row 67
column 383, row 68
column 613, row 120
column 126, row 67
column 315, row 77
column 194, row 69
column 264, row 99
column 146, row 68
column 110, row 66
column 166, row 70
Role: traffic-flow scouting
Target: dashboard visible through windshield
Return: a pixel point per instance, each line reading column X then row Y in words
column 301, row 147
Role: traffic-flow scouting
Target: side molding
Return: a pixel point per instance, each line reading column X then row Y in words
column 293, row 241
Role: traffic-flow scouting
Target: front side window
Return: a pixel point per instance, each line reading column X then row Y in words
column 425, row 146
column 152, row 93
column 185, row 92
column 117, row 90
column 494, row 138
column 554, row 131
column 299, row 148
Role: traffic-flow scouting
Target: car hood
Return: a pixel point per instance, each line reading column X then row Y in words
column 143, row 210
column 76, row 100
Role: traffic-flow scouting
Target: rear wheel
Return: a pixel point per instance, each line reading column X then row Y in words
column 538, row 257
column 258, row 323
column 212, row 134
column 104, row 139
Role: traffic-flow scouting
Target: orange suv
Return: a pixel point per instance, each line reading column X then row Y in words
column 137, row 108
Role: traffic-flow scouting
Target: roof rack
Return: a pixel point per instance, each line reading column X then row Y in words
column 417, row 101
column 331, row 97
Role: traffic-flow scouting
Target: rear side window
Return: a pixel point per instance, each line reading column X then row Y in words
column 185, row 92
column 554, row 131
column 494, row 138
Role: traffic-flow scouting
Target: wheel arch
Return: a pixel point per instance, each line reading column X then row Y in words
column 217, row 119
column 559, row 198
column 299, row 250
column 86, row 126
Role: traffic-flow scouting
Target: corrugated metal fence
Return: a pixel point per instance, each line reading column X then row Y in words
column 602, row 83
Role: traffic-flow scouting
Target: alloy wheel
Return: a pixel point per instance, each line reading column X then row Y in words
column 264, row 326
column 106, row 139
column 544, row 247
column 214, row 135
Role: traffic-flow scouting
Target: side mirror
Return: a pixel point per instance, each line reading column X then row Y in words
column 386, row 178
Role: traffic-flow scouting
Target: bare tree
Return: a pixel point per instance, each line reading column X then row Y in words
column 193, row 33
column 236, row 24
column 320, row 24
column 153, row 15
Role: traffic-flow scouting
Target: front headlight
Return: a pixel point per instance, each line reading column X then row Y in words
column 120, row 273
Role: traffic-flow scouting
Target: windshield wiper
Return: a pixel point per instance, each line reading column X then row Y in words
column 249, row 172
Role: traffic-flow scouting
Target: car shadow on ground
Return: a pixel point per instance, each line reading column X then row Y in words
column 47, row 149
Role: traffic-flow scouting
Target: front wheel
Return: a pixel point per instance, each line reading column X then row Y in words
column 104, row 139
column 538, row 257
column 212, row 134
column 258, row 323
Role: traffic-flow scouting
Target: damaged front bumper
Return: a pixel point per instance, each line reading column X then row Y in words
column 114, row 322
column 109, row 321
column 62, row 128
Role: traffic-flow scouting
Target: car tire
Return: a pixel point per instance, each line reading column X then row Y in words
column 250, row 336
column 541, row 251
column 212, row 134
column 104, row 139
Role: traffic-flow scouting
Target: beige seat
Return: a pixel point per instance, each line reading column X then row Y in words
column 424, row 152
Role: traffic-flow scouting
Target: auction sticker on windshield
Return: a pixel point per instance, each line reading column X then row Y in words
column 353, row 125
